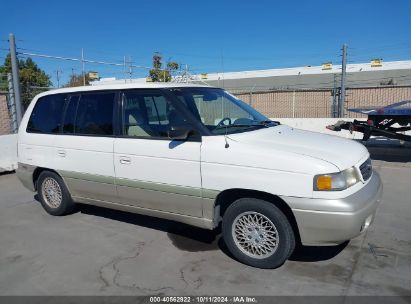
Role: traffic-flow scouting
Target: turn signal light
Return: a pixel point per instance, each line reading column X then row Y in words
column 324, row 182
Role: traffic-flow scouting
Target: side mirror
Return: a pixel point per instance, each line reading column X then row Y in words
column 179, row 134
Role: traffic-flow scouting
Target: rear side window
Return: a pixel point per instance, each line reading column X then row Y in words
column 47, row 115
column 94, row 114
column 70, row 115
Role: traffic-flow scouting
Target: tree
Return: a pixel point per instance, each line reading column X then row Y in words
column 33, row 80
column 157, row 74
column 76, row 80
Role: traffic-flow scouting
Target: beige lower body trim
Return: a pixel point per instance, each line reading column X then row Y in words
column 91, row 189
column 25, row 175
column 171, row 198
column 194, row 206
column 159, row 200
column 190, row 220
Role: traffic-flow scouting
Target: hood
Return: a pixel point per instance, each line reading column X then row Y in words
column 341, row 152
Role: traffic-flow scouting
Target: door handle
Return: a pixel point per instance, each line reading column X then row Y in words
column 125, row 160
column 61, row 153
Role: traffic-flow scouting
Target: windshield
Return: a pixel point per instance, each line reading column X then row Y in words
column 221, row 112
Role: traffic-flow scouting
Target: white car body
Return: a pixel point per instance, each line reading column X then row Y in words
column 182, row 181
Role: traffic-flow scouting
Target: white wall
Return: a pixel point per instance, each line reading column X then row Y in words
column 8, row 152
column 319, row 125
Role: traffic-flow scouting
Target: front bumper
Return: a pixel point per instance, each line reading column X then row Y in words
column 319, row 227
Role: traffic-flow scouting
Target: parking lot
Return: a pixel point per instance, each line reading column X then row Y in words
column 97, row 251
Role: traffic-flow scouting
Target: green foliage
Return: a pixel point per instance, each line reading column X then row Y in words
column 172, row 66
column 33, row 80
column 157, row 60
column 157, row 74
column 76, row 80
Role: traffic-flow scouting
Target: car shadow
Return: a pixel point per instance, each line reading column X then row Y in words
column 316, row 253
column 193, row 239
column 182, row 236
column 7, row 172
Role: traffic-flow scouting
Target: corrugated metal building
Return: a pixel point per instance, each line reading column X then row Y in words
column 313, row 77
column 374, row 73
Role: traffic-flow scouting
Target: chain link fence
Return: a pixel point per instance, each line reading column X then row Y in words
column 318, row 103
column 5, row 119
column 8, row 120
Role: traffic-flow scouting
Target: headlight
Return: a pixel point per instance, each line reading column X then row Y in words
column 336, row 181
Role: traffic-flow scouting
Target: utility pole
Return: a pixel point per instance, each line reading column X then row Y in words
column 251, row 96
column 130, row 68
column 16, row 78
column 82, row 67
column 222, row 66
column 296, row 84
column 58, row 73
column 72, row 76
column 343, row 75
column 334, row 103
column 125, row 69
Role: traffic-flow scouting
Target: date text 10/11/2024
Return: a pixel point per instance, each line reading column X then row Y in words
column 202, row 299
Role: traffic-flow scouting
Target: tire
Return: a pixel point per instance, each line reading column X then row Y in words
column 53, row 194
column 270, row 230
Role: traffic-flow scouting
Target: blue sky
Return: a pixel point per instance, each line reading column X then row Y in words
column 208, row 36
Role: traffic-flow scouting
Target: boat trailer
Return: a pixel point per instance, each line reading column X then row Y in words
column 380, row 121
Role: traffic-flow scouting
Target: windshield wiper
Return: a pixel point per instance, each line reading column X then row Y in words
column 263, row 123
column 239, row 126
column 267, row 123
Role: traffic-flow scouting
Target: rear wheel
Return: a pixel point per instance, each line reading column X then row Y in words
column 257, row 233
column 53, row 194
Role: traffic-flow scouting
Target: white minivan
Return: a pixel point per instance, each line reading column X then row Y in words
column 200, row 156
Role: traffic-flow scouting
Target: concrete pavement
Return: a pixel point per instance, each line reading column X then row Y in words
column 97, row 251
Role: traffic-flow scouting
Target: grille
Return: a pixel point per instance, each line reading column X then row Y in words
column 366, row 169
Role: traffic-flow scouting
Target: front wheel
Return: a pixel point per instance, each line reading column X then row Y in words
column 257, row 233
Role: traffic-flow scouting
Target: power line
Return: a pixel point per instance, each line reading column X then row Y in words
column 128, row 65
column 80, row 60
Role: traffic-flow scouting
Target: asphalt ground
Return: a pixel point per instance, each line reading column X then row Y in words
column 98, row 251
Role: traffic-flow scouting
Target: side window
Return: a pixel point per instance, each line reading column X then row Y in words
column 149, row 114
column 95, row 114
column 47, row 115
column 69, row 118
column 156, row 110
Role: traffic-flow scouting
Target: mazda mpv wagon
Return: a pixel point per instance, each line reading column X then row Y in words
column 200, row 156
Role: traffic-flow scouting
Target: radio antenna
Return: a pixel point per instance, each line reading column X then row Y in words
column 225, row 138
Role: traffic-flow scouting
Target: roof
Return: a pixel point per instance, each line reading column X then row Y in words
column 120, row 86
column 310, row 70
column 314, row 77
